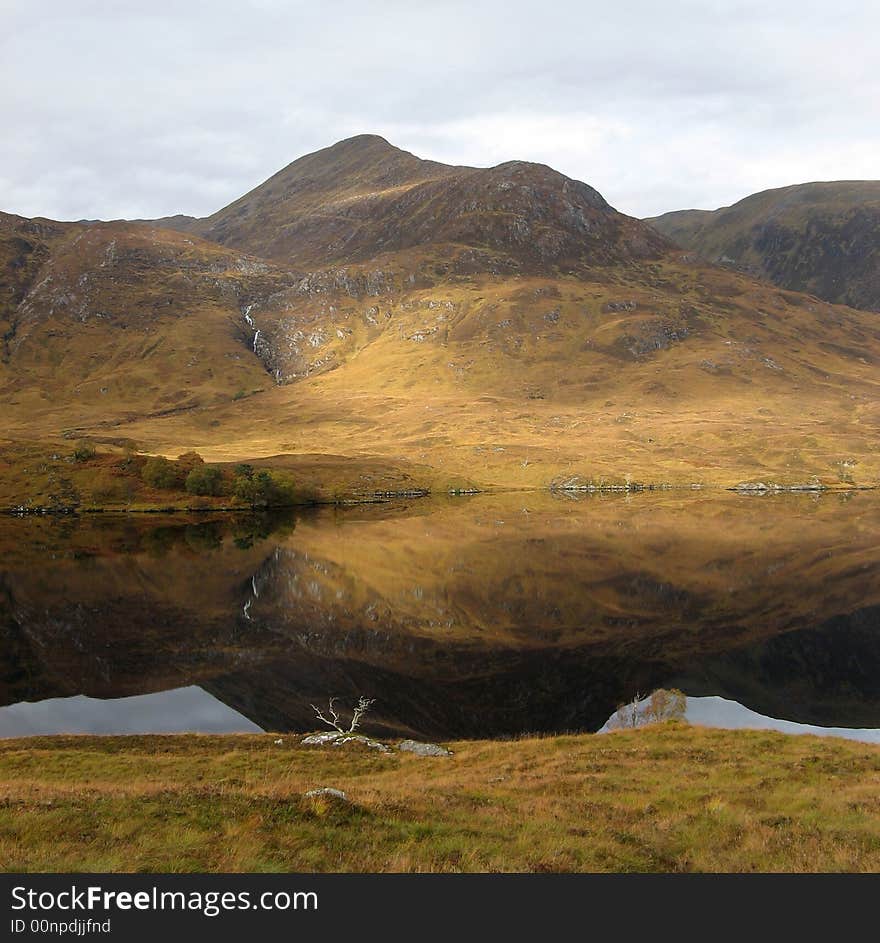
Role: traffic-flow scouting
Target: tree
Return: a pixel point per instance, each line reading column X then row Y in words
column 84, row 451
column 187, row 462
column 663, row 704
column 363, row 705
column 158, row 472
column 259, row 489
column 204, row 480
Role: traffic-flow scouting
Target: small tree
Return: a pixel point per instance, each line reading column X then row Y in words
column 259, row 489
column 129, row 455
column 187, row 462
column 84, row 451
column 666, row 704
column 158, row 472
column 663, row 704
column 363, row 705
column 204, row 480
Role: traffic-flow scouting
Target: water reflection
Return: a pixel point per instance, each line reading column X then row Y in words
column 478, row 616
column 184, row 710
column 720, row 712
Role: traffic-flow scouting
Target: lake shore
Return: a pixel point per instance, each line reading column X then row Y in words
column 36, row 478
column 668, row 797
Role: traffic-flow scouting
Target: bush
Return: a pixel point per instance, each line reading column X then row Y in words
column 160, row 473
column 84, row 451
column 262, row 489
column 256, row 489
column 664, row 704
column 204, row 480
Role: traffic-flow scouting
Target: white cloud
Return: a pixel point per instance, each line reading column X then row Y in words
column 145, row 109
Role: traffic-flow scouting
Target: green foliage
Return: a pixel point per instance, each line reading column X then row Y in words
column 263, row 489
column 258, row 489
column 204, row 480
column 84, row 451
column 158, row 472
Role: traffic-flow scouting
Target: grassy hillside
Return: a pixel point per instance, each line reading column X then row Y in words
column 667, row 798
column 821, row 238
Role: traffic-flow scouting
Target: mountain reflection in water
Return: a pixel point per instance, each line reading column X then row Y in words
column 471, row 617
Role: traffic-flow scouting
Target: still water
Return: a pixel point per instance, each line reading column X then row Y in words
column 478, row 616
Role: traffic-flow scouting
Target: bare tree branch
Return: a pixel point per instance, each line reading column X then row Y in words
column 363, row 705
column 333, row 720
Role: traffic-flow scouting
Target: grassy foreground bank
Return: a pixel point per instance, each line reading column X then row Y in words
column 664, row 798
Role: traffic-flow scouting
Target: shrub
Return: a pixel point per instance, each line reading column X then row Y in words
column 204, row 480
column 158, row 472
column 84, row 451
column 664, row 704
column 261, row 489
column 256, row 489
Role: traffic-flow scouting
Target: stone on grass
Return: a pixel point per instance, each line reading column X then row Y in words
column 339, row 739
column 327, row 792
column 423, row 749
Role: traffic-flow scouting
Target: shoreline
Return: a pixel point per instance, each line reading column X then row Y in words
column 390, row 497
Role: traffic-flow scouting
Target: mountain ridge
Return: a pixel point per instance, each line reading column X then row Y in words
column 821, row 237
column 362, row 196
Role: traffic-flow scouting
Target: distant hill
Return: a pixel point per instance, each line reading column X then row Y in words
column 821, row 238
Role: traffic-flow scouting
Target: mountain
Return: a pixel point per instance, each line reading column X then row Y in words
column 363, row 197
column 820, row 238
column 372, row 321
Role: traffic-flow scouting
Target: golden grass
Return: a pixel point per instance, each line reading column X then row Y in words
column 667, row 798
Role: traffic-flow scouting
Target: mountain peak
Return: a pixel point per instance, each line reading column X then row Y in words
column 363, row 197
column 363, row 141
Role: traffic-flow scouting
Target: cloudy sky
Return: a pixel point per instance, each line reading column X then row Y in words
column 142, row 108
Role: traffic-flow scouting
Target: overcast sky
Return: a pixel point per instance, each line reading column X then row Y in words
column 147, row 108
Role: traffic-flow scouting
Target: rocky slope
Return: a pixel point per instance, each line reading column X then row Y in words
column 821, row 238
column 117, row 317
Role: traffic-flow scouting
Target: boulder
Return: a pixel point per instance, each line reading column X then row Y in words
column 423, row 749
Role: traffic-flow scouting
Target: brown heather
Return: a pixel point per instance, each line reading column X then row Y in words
column 662, row 798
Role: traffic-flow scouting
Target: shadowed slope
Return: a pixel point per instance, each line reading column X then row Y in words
column 822, row 238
